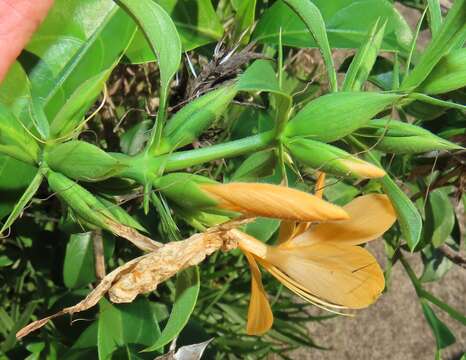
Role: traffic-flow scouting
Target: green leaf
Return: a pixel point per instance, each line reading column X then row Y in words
column 408, row 216
column 244, row 18
column 133, row 140
column 5, row 261
column 257, row 165
column 364, row 60
column 15, row 175
column 440, row 217
column 451, row 35
column 125, row 324
column 23, row 319
column 195, row 20
column 312, row 17
column 260, row 77
column 77, row 43
column 187, row 291
column 436, row 264
column 262, row 228
column 70, row 118
column 79, row 265
column 24, row 200
column 15, row 137
column 443, row 335
column 165, row 42
column 434, row 14
column 346, row 21
column 448, row 75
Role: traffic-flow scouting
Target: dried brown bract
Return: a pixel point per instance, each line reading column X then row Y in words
column 146, row 272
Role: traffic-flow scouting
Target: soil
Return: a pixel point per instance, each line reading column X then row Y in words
column 394, row 327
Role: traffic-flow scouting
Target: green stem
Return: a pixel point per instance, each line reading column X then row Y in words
column 424, row 294
column 183, row 159
column 144, row 165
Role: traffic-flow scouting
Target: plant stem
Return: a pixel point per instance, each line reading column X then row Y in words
column 183, row 159
column 424, row 294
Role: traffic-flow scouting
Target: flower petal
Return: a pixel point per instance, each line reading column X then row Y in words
column 344, row 275
column 299, row 290
column 286, row 231
column 370, row 216
column 260, row 317
column 320, row 185
column 267, row 200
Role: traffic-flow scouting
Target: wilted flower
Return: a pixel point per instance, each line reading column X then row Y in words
column 322, row 263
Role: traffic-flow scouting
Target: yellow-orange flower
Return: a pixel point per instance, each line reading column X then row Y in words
column 322, row 263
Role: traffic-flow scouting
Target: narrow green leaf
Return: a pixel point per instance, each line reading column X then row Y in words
column 24, row 200
column 187, row 291
column 312, row 17
column 39, row 119
column 408, row 216
column 437, row 102
column 24, row 318
column 244, row 18
column 443, row 335
column 450, row 35
column 165, row 42
column 364, row 60
column 448, row 75
column 434, row 15
column 70, row 118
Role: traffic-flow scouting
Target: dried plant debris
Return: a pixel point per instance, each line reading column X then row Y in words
column 224, row 66
column 188, row 352
column 145, row 273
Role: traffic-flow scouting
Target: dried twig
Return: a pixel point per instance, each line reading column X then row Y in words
column 453, row 256
column 99, row 258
